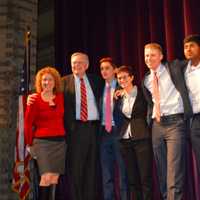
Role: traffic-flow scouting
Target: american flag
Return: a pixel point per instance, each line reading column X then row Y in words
column 21, row 172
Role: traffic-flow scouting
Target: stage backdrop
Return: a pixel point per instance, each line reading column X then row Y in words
column 120, row 29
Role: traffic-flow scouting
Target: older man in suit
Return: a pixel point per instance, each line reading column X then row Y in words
column 81, row 120
column 165, row 90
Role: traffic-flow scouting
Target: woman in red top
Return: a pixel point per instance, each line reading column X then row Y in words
column 44, row 130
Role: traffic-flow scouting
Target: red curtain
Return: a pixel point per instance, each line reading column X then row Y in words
column 120, row 29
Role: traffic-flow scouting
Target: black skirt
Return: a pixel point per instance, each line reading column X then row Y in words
column 50, row 155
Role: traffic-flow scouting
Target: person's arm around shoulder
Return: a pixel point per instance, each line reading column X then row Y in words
column 30, row 115
column 177, row 66
column 60, row 101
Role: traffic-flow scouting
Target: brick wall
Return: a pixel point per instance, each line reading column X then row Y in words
column 15, row 16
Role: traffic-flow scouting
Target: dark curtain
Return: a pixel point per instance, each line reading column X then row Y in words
column 120, row 29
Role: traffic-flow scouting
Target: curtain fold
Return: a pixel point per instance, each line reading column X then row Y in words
column 120, row 29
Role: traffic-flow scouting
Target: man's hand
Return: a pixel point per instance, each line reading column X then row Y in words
column 31, row 98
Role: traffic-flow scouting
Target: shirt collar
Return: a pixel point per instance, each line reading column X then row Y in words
column 133, row 93
column 192, row 67
column 77, row 78
column 159, row 70
column 112, row 83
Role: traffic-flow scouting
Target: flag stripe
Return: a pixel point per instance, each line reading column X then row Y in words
column 21, row 171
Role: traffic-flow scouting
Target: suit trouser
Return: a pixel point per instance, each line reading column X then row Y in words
column 138, row 156
column 195, row 138
column 110, row 159
column 82, row 155
column 169, row 146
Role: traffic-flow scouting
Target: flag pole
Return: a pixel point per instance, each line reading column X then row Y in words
column 21, row 171
column 28, row 52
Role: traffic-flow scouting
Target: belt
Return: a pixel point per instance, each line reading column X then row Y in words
column 112, row 130
column 103, row 126
column 87, row 122
column 196, row 114
column 171, row 118
column 127, row 139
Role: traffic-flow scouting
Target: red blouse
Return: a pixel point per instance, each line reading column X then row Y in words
column 43, row 120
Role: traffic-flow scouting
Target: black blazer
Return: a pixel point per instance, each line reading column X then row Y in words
column 70, row 98
column 182, row 64
column 176, row 72
column 139, row 127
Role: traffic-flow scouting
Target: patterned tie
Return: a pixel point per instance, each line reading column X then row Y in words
column 84, row 111
column 156, row 96
column 108, row 114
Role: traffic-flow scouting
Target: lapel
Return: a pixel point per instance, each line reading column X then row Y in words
column 114, row 100
column 100, row 104
column 185, row 63
column 71, row 93
column 135, row 103
column 147, row 74
column 72, row 84
column 118, row 104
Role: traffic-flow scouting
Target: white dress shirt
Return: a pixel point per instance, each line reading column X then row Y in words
column 192, row 77
column 91, row 102
column 127, row 107
column 170, row 99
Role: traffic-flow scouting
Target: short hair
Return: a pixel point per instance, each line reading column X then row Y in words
column 108, row 59
column 127, row 69
column 192, row 38
column 154, row 46
column 54, row 73
column 81, row 54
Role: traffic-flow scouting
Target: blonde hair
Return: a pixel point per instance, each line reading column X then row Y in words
column 153, row 46
column 54, row 73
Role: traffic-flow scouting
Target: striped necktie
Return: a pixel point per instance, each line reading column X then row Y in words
column 84, row 110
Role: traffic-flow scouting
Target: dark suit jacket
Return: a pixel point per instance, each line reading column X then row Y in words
column 139, row 127
column 182, row 64
column 70, row 98
column 116, row 116
column 176, row 72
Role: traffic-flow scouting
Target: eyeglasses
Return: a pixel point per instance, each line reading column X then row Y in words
column 119, row 78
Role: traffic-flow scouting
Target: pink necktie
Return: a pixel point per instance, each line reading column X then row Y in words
column 156, row 96
column 84, row 111
column 108, row 114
